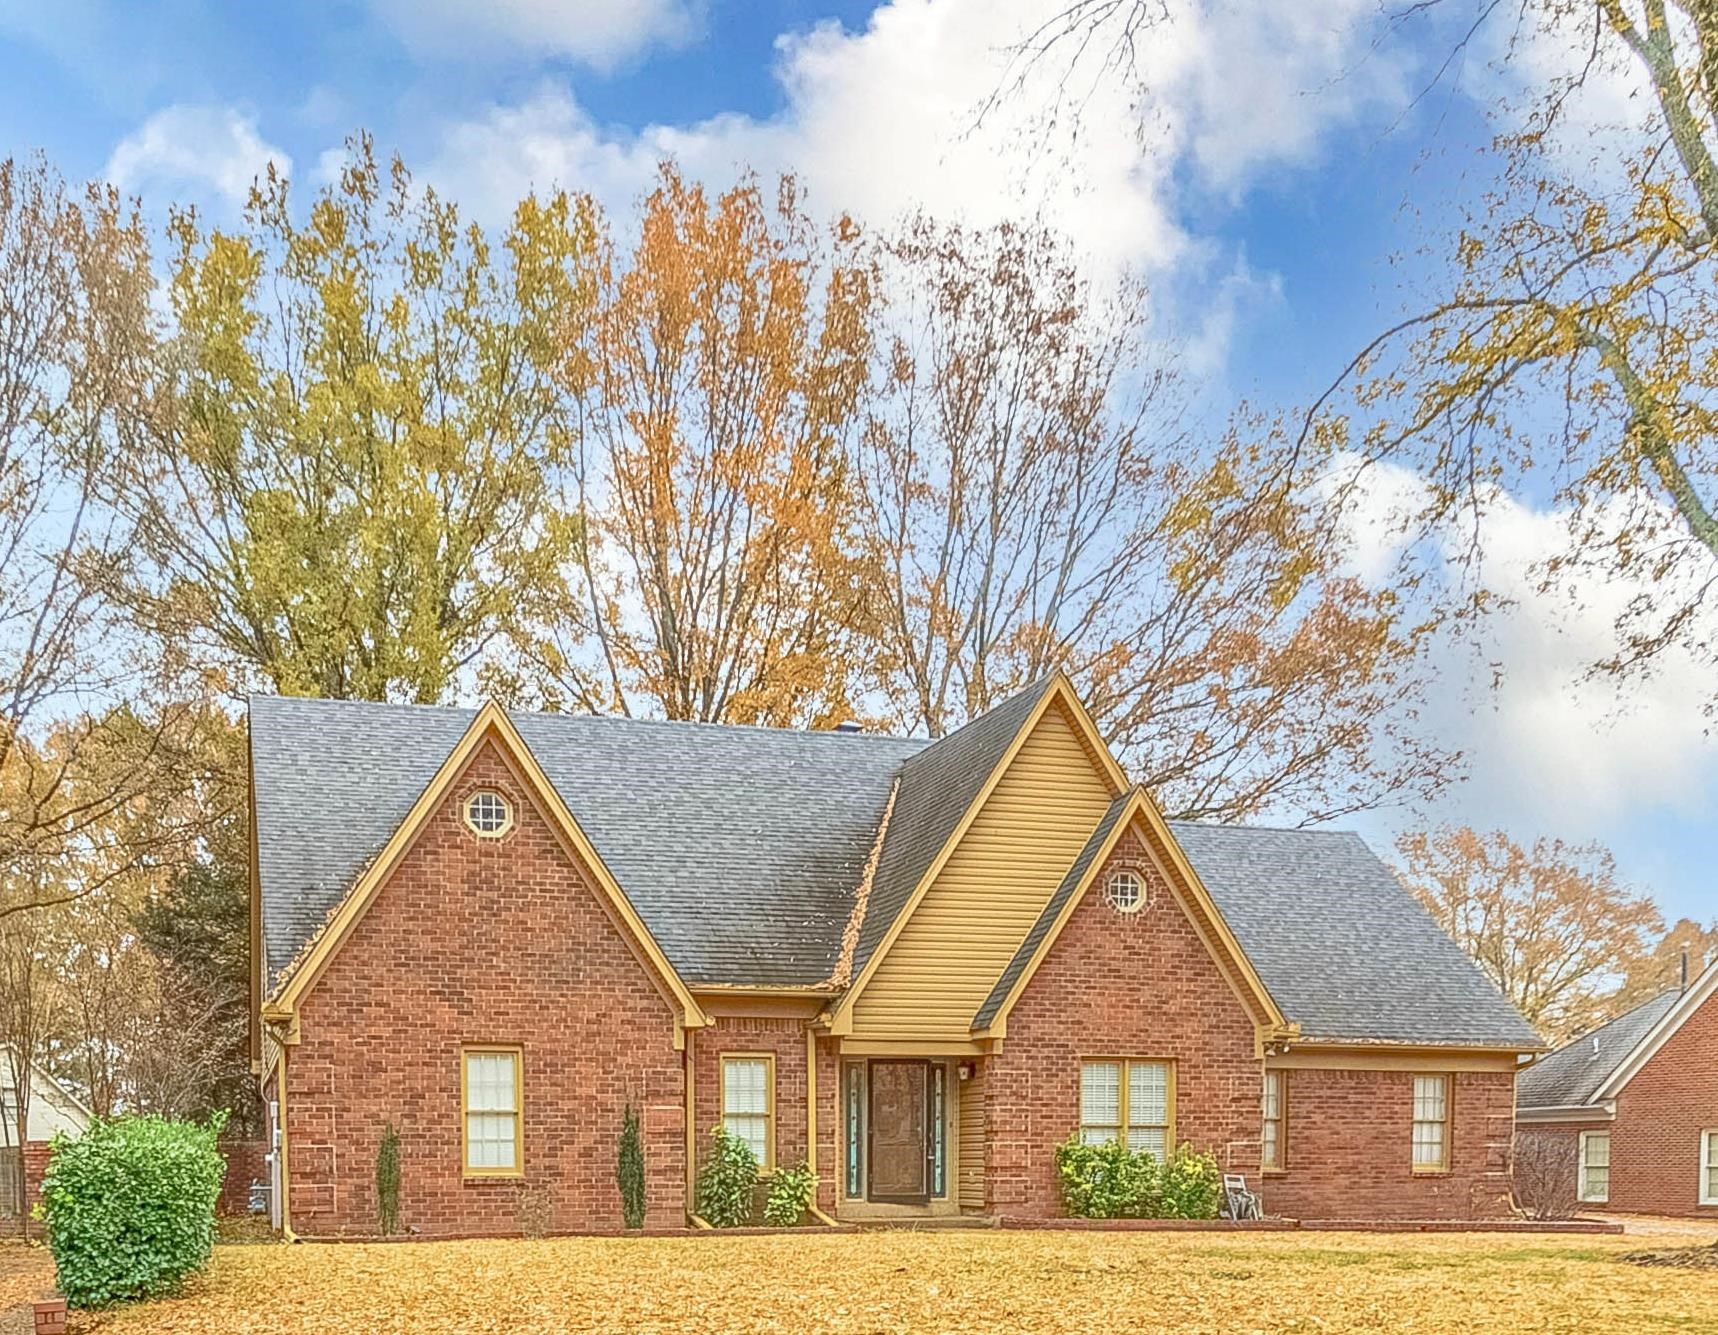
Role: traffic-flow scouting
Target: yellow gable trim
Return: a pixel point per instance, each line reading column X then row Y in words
column 1060, row 692
column 1140, row 807
column 491, row 723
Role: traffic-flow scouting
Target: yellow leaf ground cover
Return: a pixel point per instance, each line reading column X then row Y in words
column 1328, row 1283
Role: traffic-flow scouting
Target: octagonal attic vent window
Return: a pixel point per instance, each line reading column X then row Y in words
column 487, row 814
column 1124, row 892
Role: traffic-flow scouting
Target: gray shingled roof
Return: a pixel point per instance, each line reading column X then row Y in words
column 1047, row 919
column 937, row 786
column 1344, row 950
column 739, row 847
column 1571, row 1076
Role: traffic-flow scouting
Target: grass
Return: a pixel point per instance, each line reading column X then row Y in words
column 966, row 1281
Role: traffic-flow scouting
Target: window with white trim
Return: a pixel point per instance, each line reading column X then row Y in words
column 748, row 1103
column 1124, row 891
column 1128, row 1099
column 1274, row 1123
column 492, row 1094
column 487, row 814
column 1709, row 1167
column 1593, row 1180
column 1431, row 1123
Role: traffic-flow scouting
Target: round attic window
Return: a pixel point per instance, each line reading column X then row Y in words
column 487, row 814
column 1124, row 892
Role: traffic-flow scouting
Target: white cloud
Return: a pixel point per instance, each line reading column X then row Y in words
column 883, row 120
column 1550, row 746
column 213, row 149
column 599, row 33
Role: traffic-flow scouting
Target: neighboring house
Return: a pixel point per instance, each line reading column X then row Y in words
column 918, row 965
column 1639, row 1099
column 54, row 1110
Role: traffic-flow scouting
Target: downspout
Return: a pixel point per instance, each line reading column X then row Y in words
column 285, row 1164
column 688, row 1067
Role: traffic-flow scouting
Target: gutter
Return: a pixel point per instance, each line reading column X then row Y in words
column 1603, row 1111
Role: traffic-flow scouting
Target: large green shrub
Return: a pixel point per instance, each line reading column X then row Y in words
column 727, row 1180
column 1190, row 1184
column 1108, row 1181
column 629, row 1171
column 388, row 1181
column 790, row 1195
column 130, row 1206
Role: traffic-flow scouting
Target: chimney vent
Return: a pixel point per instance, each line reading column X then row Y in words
column 1685, row 968
column 850, row 726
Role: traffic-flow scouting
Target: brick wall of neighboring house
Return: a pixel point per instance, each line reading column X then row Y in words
column 247, row 1162
column 483, row 941
column 1118, row 985
column 1562, row 1165
column 1655, row 1142
column 36, row 1154
column 1349, row 1148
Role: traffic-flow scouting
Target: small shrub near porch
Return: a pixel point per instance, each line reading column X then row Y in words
column 1110, row 1181
column 130, row 1207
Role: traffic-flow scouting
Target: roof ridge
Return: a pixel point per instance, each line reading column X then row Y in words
column 1270, row 829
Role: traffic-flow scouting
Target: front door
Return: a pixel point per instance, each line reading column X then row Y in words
column 900, row 1131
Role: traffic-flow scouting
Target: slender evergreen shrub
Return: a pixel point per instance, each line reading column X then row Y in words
column 629, row 1171
column 130, row 1206
column 790, row 1195
column 727, row 1180
column 388, row 1181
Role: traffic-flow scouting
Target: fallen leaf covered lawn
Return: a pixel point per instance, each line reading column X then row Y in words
column 969, row 1280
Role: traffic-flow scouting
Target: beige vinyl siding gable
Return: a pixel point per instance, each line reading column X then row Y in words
column 962, row 934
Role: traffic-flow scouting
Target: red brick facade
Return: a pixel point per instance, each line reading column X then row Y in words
column 1661, row 1114
column 1119, row 985
column 483, row 941
column 1349, row 1151
column 510, row 941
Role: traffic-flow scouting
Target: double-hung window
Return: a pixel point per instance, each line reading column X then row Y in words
column 1709, row 1167
column 748, row 1103
column 1273, row 1138
column 491, row 1081
column 1593, row 1180
column 1431, row 1123
column 1128, row 1099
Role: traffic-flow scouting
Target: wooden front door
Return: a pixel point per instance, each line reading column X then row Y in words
column 899, row 1121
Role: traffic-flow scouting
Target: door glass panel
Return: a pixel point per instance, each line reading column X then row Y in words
column 898, row 1141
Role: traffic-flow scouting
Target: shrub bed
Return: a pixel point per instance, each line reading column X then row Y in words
column 130, row 1207
column 1109, row 1181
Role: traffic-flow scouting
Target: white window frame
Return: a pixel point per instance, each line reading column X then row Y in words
column 1134, row 900
column 766, row 1160
column 1582, row 1193
column 1708, row 1165
column 1447, row 1122
column 467, row 1112
column 487, row 795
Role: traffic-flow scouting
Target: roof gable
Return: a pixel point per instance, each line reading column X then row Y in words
column 1572, row 1076
column 1701, row 991
column 491, row 726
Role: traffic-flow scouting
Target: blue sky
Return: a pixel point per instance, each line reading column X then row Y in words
column 1277, row 196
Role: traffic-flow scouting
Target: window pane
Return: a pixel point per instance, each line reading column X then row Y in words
column 1148, row 1094
column 489, row 1141
column 489, row 1081
column 1428, row 1144
column 1268, row 1149
column 753, row 1130
column 1428, row 1098
column 1142, row 1138
column 745, row 1086
column 1598, row 1146
column 1273, row 1094
column 1100, row 1094
column 939, row 1167
column 855, row 1128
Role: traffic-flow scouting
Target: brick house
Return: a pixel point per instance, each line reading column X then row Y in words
column 916, row 965
column 1638, row 1098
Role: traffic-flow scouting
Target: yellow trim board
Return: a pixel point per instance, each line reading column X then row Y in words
column 1141, row 807
column 493, row 724
column 1061, row 692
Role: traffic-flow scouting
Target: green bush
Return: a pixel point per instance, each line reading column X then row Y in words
column 790, row 1195
column 1108, row 1181
column 1191, row 1184
column 388, row 1181
column 629, row 1171
column 130, row 1206
column 727, row 1180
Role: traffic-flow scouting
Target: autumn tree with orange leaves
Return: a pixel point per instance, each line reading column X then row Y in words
column 1551, row 925
column 717, row 381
